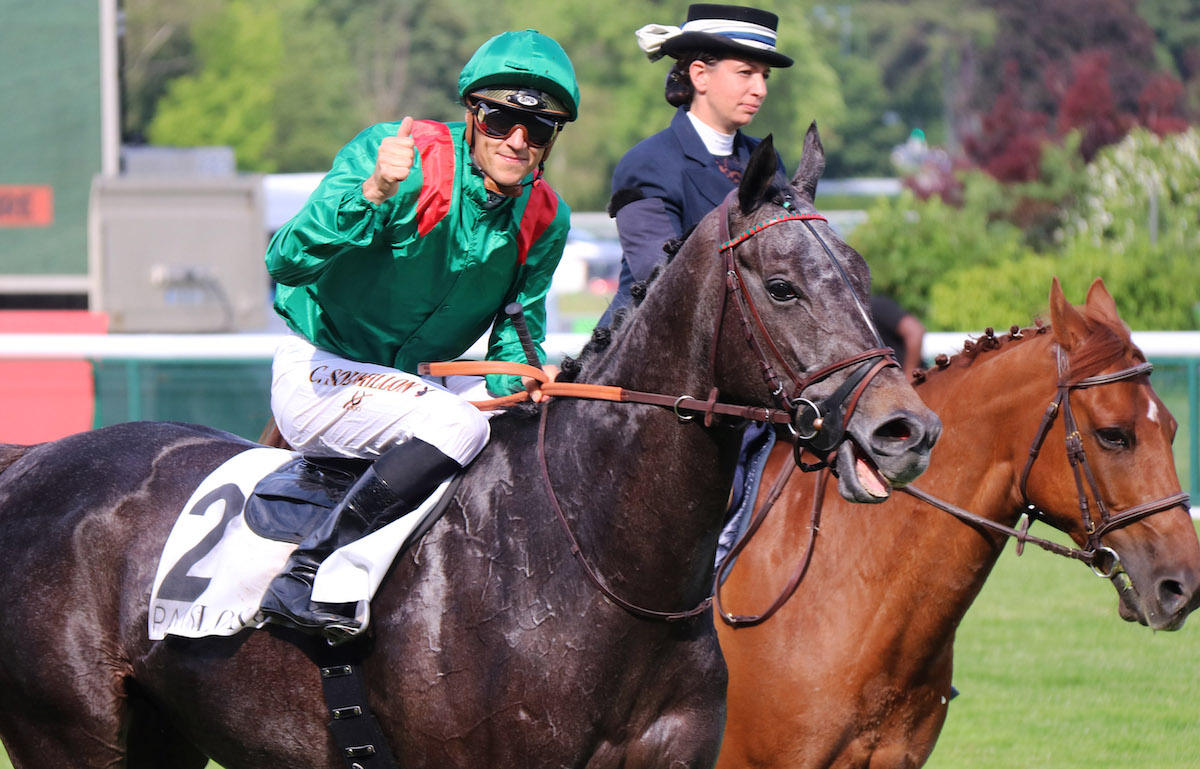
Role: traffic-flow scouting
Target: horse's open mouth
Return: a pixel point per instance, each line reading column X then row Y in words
column 866, row 484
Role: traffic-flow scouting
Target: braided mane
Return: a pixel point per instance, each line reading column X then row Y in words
column 602, row 338
column 1105, row 345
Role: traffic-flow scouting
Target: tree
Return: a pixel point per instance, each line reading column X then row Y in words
column 924, row 50
column 282, row 107
column 1045, row 37
column 1008, row 142
column 156, row 47
column 1176, row 25
column 1088, row 105
column 228, row 100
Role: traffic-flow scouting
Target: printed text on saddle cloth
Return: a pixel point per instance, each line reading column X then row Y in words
column 214, row 569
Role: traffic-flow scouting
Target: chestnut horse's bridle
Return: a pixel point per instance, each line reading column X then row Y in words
column 1103, row 560
column 1096, row 552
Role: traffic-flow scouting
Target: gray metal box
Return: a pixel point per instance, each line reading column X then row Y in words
column 178, row 254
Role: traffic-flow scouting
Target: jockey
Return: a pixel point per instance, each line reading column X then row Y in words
column 415, row 239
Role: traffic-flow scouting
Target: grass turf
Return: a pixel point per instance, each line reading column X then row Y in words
column 1051, row 677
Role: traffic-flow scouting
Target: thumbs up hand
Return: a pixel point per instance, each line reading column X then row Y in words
column 392, row 164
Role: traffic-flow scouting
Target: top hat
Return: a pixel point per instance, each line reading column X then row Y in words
column 725, row 30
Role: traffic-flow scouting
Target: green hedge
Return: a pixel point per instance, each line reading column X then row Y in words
column 1130, row 217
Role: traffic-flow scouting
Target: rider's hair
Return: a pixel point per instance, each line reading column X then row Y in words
column 679, row 89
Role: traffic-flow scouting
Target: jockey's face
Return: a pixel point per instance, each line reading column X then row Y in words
column 728, row 94
column 505, row 162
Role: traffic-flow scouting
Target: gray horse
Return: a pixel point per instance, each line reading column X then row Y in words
column 490, row 646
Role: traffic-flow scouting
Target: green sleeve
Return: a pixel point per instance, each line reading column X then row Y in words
column 337, row 218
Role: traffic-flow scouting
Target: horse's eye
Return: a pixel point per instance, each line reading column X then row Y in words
column 780, row 290
column 1115, row 438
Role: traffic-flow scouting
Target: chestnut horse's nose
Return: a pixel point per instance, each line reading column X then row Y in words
column 1177, row 595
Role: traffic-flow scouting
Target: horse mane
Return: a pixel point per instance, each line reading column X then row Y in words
column 779, row 191
column 10, row 453
column 602, row 337
column 1104, row 345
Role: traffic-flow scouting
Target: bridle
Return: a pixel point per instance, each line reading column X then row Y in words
column 816, row 426
column 1082, row 471
column 1103, row 560
column 823, row 422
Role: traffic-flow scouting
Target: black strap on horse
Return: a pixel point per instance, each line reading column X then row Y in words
column 760, row 515
column 360, row 741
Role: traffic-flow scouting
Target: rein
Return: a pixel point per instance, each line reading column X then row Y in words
column 827, row 424
column 1095, row 553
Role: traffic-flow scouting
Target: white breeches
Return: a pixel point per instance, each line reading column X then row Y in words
column 326, row 405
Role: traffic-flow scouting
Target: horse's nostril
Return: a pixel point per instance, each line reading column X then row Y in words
column 895, row 430
column 1171, row 595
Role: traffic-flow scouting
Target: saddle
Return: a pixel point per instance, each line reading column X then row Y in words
column 241, row 524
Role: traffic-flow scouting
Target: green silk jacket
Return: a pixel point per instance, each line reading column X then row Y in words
column 422, row 276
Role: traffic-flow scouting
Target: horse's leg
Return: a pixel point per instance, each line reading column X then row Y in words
column 78, row 728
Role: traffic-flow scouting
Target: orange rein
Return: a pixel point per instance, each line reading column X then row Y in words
column 595, row 392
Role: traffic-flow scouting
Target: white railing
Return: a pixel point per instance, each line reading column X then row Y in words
column 1182, row 347
column 225, row 347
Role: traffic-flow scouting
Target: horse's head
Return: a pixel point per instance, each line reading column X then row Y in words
column 797, row 330
column 1115, row 490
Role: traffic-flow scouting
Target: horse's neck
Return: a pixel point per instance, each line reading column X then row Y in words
column 651, row 490
column 990, row 413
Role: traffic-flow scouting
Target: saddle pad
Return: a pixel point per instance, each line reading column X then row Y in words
column 214, row 569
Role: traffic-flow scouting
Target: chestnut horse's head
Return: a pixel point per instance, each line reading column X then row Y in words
column 1115, row 490
column 796, row 330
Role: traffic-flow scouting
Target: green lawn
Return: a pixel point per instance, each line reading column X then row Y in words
column 1052, row 678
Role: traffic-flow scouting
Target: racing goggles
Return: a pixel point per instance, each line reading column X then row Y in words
column 500, row 123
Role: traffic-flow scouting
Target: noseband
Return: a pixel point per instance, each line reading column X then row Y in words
column 1083, row 471
column 1103, row 560
column 818, row 426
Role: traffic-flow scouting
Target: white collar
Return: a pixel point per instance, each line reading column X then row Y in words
column 717, row 143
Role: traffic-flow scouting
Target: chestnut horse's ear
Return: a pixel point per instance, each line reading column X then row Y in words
column 1067, row 323
column 1100, row 305
column 760, row 173
column 812, row 163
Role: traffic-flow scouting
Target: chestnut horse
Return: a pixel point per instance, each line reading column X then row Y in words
column 490, row 644
column 854, row 670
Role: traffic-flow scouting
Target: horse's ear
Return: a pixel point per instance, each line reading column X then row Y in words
column 812, row 163
column 760, row 173
column 1100, row 304
column 1067, row 323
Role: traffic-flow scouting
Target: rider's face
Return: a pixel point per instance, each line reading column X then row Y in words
column 728, row 94
column 506, row 161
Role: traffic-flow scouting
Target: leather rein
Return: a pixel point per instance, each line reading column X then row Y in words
column 823, row 422
column 1103, row 560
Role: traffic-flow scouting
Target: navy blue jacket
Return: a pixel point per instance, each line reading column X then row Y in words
column 661, row 189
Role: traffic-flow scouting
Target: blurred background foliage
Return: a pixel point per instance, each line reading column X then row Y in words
column 1034, row 137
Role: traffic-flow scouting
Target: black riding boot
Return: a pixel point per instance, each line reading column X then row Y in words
column 397, row 483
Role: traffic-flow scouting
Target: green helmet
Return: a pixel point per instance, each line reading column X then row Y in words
column 526, row 70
